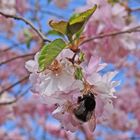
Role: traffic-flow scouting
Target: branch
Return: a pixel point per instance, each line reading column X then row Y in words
column 16, row 57
column 13, row 85
column 134, row 29
column 134, row 138
column 44, row 11
column 16, row 98
column 9, row 48
column 52, row 13
column 28, row 23
column 135, row 9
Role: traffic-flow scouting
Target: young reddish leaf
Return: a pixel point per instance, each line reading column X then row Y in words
column 60, row 26
column 54, row 33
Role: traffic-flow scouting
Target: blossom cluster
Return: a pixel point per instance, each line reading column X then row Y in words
column 59, row 88
column 111, row 18
column 13, row 6
column 107, row 19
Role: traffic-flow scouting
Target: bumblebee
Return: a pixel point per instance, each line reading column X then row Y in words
column 85, row 108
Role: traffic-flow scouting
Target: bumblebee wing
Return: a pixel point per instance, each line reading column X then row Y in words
column 92, row 122
column 81, row 112
column 89, row 115
column 80, row 109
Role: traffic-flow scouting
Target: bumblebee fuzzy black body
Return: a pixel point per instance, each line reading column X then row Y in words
column 85, row 108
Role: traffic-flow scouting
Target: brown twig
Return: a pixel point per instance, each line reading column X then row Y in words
column 135, row 9
column 13, row 85
column 134, row 29
column 52, row 13
column 15, row 100
column 16, row 57
column 41, row 35
column 9, row 48
column 45, row 11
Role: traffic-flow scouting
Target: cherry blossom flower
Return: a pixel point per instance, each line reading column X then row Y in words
column 6, row 111
column 58, row 132
column 102, row 86
column 114, row 19
column 61, row 3
column 52, row 81
column 22, row 6
column 8, row 6
column 12, row 6
column 58, row 87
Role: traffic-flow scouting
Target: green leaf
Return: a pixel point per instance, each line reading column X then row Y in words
column 60, row 26
column 81, row 56
column 78, row 73
column 77, row 21
column 78, row 34
column 49, row 52
column 49, row 1
column 54, row 33
column 28, row 42
column 28, row 38
column 82, row 17
column 113, row 1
